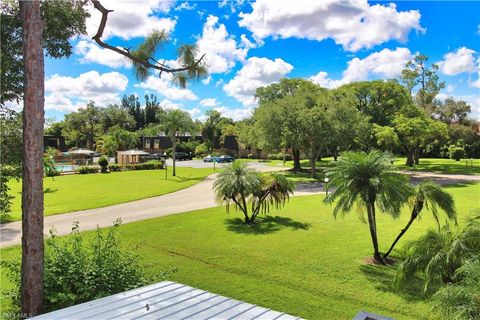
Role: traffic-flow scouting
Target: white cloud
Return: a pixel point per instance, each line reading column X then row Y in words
column 352, row 24
column 236, row 114
column 194, row 113
column 207, row 80
column 257, row 72
column 385, row 64
column 91, row 53
column 13, row 105
column 185, row 6
column 166, row 88
column 209, row 102
column 220, row 49
column 69, row 93
column 169, row 105
column 131, row 19
column 460, row 61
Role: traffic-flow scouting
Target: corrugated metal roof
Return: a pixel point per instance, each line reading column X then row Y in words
column 165, row 300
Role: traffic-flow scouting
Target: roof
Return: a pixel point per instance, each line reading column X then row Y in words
column 133, row 152
column 81, row 151
column 165, row 300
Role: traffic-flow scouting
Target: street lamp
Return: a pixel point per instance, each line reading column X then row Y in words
column 325, row 186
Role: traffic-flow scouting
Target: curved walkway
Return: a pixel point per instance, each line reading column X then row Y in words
column 199, row 196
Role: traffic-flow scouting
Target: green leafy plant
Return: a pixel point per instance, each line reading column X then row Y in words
column 368, row 180
column 430, row 195
column 103, row 163
column 86, row 170
column 439, row 254
column 461, row 300
column 456, row 152
column 244, row 187
column 114, row 167
column 79, row 270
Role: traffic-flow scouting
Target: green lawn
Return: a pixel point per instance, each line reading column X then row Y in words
column 433, row 164
column 299, row 260
column 86, row 191
column 443, row 166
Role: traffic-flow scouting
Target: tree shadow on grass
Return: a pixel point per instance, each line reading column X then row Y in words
column 382, row 278
column 48, row 190
column 265, row 225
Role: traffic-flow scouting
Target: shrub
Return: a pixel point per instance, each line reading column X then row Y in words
column 169, row 152
column 201, row 150
column 272, row 156
column 456, row 152
column 86, row 169
column 77, row 270
column 114, row 167
column 288, row 157
column 250, row 156
column 103, row 163
column 149, row 165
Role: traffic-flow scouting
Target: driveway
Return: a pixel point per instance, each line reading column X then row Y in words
column 199, row 196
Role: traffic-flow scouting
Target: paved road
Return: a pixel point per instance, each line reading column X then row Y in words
column 199, row 196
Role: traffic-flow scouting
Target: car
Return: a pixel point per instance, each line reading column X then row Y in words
column 225, row 158
column 183, row 156
column 208, row 158
column 156, row 156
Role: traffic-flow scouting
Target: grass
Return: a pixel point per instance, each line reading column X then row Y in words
column 299, row 260
column 443, row 166
column 437, row 165
column 87, row 191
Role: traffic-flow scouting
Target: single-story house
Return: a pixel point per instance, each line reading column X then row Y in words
column 131, row 156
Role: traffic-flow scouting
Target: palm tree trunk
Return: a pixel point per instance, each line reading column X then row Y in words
column 373, row 231
column 31, row 290
column 416, row 209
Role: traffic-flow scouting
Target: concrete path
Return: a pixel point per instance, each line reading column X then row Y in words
column 199, row 196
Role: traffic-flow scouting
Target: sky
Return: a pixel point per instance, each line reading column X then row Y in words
column 248, row 44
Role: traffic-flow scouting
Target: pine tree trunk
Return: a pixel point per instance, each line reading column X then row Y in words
column 373, row 231
column 31, row 290
column 174, row 147
column 296, row 159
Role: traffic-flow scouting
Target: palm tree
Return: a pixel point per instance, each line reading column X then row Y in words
column 240, row 185
column 176, row 122
column 440, row 253
column 460, row 300
column 370, row 181
column 430, row 195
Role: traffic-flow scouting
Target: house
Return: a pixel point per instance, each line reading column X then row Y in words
column 160, row 143
column 57, row 142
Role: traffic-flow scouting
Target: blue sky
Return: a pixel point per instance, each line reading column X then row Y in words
column 250, row 44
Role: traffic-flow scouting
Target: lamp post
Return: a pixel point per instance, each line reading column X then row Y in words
column 325, row 186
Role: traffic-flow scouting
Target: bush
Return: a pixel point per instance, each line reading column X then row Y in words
column 288, row 157
column 149, row 165
column 114, row 167
column 86, row 169
column 201, row 150
column 250, row 156
column 169, row 152
column 103, row 163
column 77, row 270
column 456, row 152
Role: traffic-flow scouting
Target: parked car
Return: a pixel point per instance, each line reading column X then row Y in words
column 183, row 156
column 208, row 158
column 156, row 156
column 225, row 158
